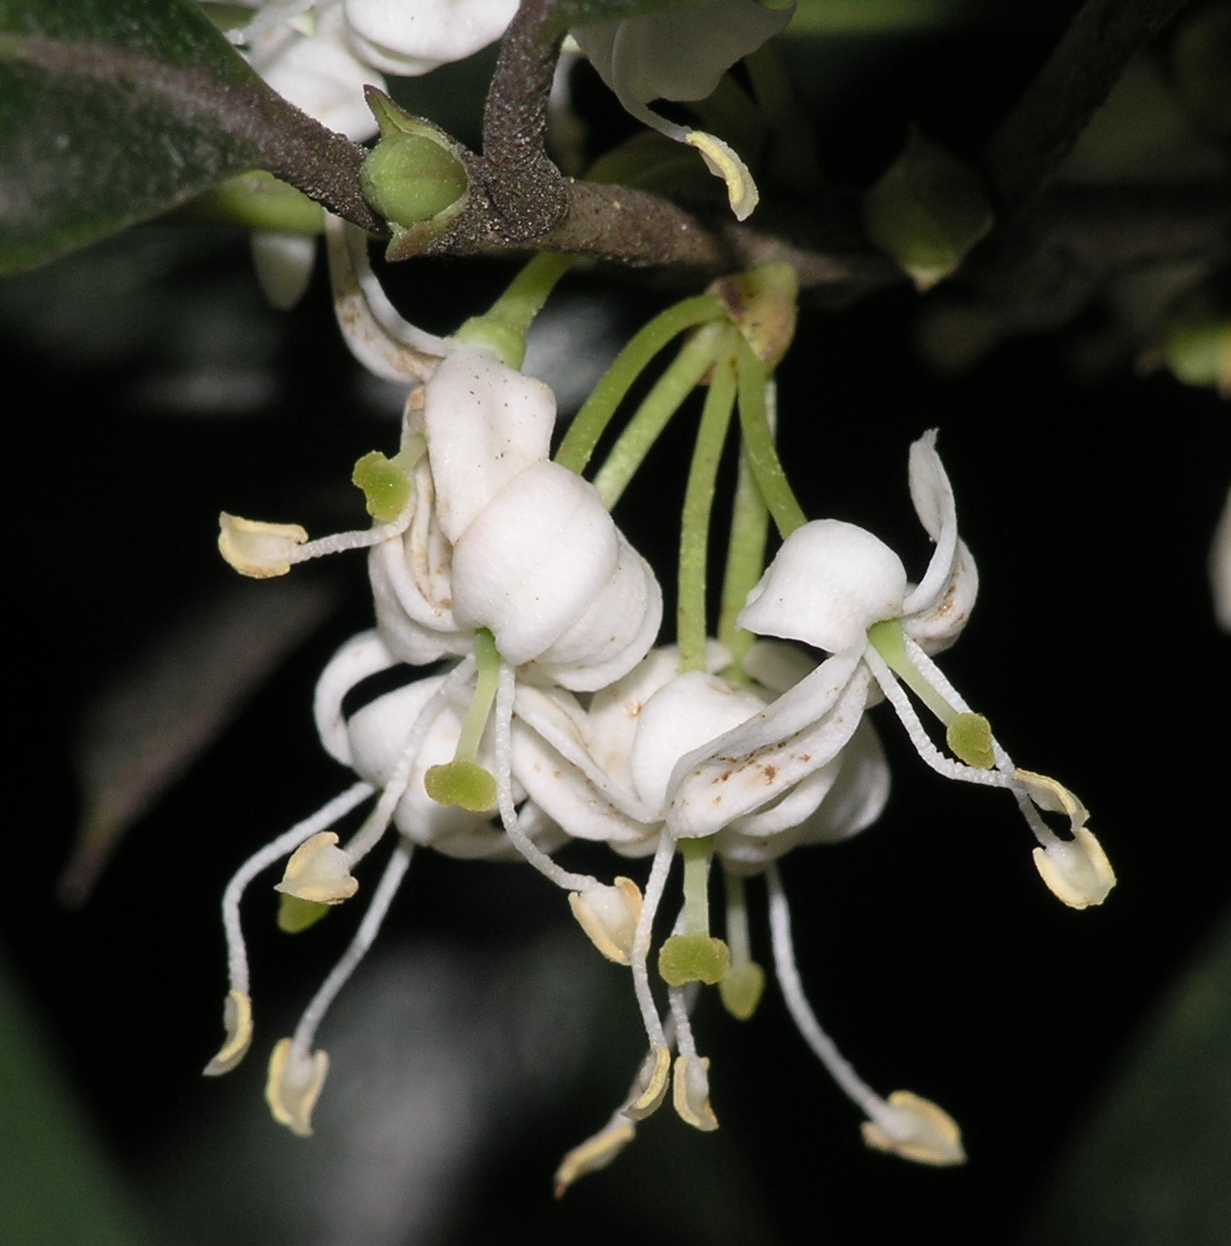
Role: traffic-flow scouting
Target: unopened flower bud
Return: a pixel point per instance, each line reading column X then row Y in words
column 414, row 177
column 927, row 211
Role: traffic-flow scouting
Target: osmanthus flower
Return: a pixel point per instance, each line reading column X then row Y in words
column 604, row 776
column 681, row 54
column 394, row 743
column 837, row 587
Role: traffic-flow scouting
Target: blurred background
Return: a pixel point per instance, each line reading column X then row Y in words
column 162, row 705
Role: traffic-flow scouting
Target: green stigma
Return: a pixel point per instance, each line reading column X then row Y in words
column 741, row 989
column 463, row 784
column 693, row 958
column 969, row 737
column 295, row 915
column 386, row 487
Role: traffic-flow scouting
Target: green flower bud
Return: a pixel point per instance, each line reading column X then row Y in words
column 415, row 177
column 927, row 211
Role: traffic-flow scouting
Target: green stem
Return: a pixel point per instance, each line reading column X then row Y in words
column 659, row 405
column 591, row 421
column 737, row 919
column 745, row 561
column 691, row 630
column 696, row 854
column 759, row 444
column 889, row 641
column 487, row 663
column 505, row 325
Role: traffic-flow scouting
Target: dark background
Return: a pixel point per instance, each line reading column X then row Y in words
column 149, row 387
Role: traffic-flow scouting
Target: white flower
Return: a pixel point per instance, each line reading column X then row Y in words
column 412, row 37
column 838, row 587
column 681, row 54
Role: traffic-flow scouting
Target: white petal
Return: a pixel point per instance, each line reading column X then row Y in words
column 533, row 561
column 755, row 763
column 614, row 634
column 794, row 807
column 359, row 657
column 932, row 495
column 859, row 795
column 485, row 423
column 566, row 794
column 685, row 714
column 283, row 264
column 827, row 585
column 552, row 716
column 616, row 709
column 412, row 37
column 937, row 626
column 777, row 666
column 323, row 77
column 679, row 54
column 415, row 630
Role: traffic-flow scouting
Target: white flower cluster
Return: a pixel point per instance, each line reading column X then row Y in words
column 553, row 717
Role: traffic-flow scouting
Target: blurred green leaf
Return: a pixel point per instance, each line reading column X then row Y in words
column 56, row 1188
column 1151, row 1166
column 112, row 111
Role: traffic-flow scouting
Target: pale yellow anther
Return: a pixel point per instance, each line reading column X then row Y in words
column 237, row 1021
column 609, row 915
column 319, row 871
column 916, row 1129
column 595, row 1152
column 651, row 1085
column 294, row 1085
column 259, row 550
column 722, row 161
column 691, row 1092
column 1077, row 871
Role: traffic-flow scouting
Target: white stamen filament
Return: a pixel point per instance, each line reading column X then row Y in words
column 369, row 928
column 664, row 854
column 286, row 843
column 502, row 728
column 360, row 538
column 840, row 1069
column 1004, row 763
column 932, row 756
column 376, row 823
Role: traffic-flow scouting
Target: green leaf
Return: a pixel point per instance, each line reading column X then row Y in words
column 1150, row 1165
column 113, row 111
